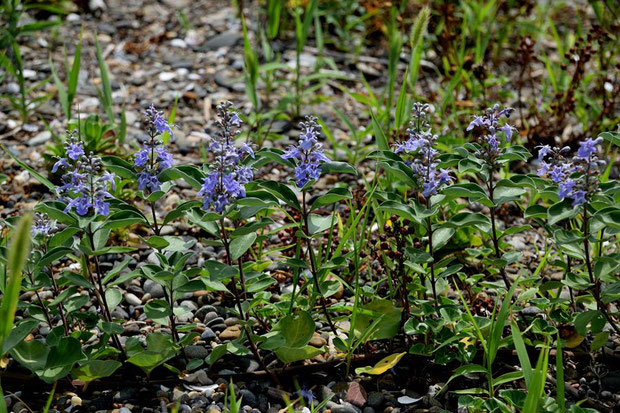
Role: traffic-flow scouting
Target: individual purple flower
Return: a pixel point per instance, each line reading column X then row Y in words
column 543, row 151
column 75, row 150
column 565, row 188
column 61, row 162
column 557, row 174
column 85, row 184
column 579, row 197
column 307, row 395
column 588, row 147
column 423, row 157
column 148, row 181
column 227, row 176
column 142, row 157
column 308, row 153
column 153, row 158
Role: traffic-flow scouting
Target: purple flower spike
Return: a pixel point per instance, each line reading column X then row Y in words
column 424, row 157
column 225, row 182
column 85, row 184
column 42, row 225
column 153, row 158
column 308, row 153
column 577, row 178
column 490, row 123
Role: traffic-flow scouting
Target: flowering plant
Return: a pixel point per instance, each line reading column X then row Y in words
column 86, row 185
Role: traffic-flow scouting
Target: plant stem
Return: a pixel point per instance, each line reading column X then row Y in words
column 242, row 313
column 313, row 268
column 173, row 324
column 99, row 290
column 430, row 249
column 43, row 307
column 498, row 253
column 156, row 228
column 596, row 291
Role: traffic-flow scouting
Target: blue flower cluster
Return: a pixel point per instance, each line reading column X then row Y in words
column 308, row 153
column 153, row 158
column 227, row 175
column 42, row 225
column 85, row 184
column 490, row 123
column 560, row 169
column 420, row 146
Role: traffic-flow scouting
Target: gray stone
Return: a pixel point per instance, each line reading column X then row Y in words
column 226, row 39
column 151, row 287
column 196, row 352
column 40, row 138
column 248, row 397
column 132, row 299
column 375, row 399
column 208, row 334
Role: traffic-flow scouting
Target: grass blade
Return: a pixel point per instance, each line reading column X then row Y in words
column 72, row 77
column 18, row 251
column 524, row 358
column 106, row 92
column 34, row 173
column 497, row 328
column 559, row 368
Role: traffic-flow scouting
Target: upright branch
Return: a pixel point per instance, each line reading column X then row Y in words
column 153, row 158
column 222, row 186
column 308, row 155
column 85, row 190
column 577, row 180
column 424, row 161
column 489, row 152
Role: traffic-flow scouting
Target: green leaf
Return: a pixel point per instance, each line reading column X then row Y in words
column 378, row 308
column 402, row 210
column 317, row 223
column 31, row 354
column 524, row 358
column 470, row 219
column 382, row 141
column 507, row 191
column 441, row 237
column 18, row 334
column 95, row 369
column 282, row 192
column 473, row 192
column 157, row 310
column 334, row 167
column 560, row 211
column 240, row 245
column 592, row 318
column 189, row 173
column 497, row 327
column 297, row 330
column 65, row 354
column 599, row 341
column 539, row 378
column 291, row 354
column 613, row 137
column 19, row 249
column 113, row 296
